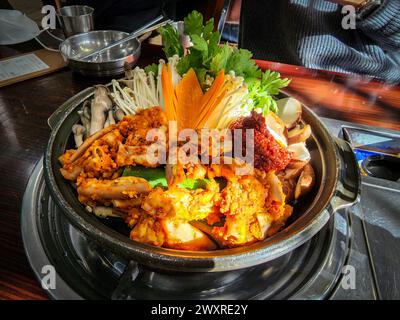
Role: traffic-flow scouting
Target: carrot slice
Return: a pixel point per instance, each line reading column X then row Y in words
column 210, row 98
column 215, row 110
column 217, row 84
column 168, row 93
column 187, row 104
column 189, row 95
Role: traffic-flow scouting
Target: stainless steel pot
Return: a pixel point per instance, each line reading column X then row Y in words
column 337, row 186
column 109, row 63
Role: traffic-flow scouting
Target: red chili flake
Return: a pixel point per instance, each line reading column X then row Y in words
column 268, row 153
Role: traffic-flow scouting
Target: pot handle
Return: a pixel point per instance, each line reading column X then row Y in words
column 60, row 111
column 349, row 181
column 55, row 116
column 126, row 282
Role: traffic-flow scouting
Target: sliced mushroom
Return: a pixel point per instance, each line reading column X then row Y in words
column 107, row 123
column 300, row 151
column 276, row 127
column 294, row 169
column 299, row 134
column 275, row 188
column 182, row 235
column 289, row 111
column 288, row 187
column 105, row 212
column 264, row 222
column 305, row 182
column 295, row 164
column 207, row 229
column 78, row 130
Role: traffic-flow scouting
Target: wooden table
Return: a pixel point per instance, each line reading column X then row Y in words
column 25, row 107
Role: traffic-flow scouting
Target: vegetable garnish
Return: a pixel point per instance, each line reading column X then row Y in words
column 187, row 104
column 261, row 92
column 170, row 37
column 207, row 58
column 193, row 184
column 151, row 68
column 156, row 178
column 205, row 45
column 189, row 96
column 168, row 93
column 211, row 98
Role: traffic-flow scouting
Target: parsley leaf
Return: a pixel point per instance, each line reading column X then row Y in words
column 207, row 57
column 194, row 23
column 151, row 67
column 171, row 42
column 261, row 92
column 205, row 45
column 240, row 61
column 220, row 59
column 200, row 45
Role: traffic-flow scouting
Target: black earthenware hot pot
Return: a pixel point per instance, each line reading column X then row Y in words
column 337, row 186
